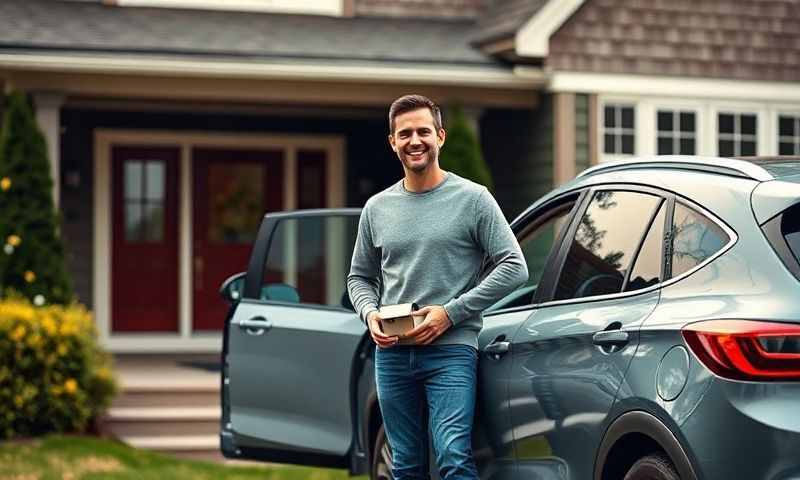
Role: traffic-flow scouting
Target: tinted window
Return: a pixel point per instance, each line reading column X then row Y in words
column 647, row 269
column 790, row 227
column 605, row 243
column 309, row 259
column 536, row 245
column 695, row 238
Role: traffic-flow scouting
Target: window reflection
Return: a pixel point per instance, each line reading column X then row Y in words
column 604, row 243
column 695, row 238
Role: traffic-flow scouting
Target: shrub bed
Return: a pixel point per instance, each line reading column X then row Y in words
column 54, row 377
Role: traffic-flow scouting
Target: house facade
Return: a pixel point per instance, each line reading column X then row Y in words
column 173, row 125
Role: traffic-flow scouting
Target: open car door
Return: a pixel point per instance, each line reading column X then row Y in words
column 291, row 342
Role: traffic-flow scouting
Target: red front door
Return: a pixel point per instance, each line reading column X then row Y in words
column 233, row 189
column 144, row 262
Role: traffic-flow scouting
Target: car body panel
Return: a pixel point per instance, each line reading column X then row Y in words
column 771, row 198
column 563, row 385
column 269, row 406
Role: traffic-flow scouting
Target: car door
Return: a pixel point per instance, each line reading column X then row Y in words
column 570, row 356
column 292, row 342
column 537, row 233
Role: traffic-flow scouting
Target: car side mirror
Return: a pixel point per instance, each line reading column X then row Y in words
column 232, row 288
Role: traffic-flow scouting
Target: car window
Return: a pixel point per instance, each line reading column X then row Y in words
column 695, row 238
column 647, row 267
column 308, row 260
column 604, row 243
column 790, row 227
column 536, row 241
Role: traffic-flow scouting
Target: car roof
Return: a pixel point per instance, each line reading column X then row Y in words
column 756, row 168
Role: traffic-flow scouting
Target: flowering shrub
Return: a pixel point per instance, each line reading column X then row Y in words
column 53, row 375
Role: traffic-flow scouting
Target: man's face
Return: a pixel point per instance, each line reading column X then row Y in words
column 415, row 139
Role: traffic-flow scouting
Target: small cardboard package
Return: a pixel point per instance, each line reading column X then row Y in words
column 397, row 320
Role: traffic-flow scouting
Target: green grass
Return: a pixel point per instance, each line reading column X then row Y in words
column 77, row 458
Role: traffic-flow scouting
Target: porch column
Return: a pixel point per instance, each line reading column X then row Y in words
column 594, row 129
column 563, row 137
column 48, row 109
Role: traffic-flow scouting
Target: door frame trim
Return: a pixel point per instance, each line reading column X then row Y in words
column 105, row 139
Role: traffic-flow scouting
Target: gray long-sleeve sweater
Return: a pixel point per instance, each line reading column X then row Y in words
column 429, row 248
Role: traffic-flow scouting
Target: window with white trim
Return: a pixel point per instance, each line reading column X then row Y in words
column 618, row 129
column 737, row 134
column 789, row 135
column 676, row 132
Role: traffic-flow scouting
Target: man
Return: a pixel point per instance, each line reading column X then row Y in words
column 425, row 240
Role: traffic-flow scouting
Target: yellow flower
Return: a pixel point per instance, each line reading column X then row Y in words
column 34, row 340
column 18, row 401
column 18, row 333
column 56, row 390
column 13, row 240
column 49, row 326
column 5, row 183
column 62, row 349
column 70, row 386
column 30, row 277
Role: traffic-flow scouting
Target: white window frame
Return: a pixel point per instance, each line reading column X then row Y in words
column 737, row 137
column 794, row 139
column 619, row 130
column 676, row 135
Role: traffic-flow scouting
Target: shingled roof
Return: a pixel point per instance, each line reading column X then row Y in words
column 503, row 18
column 733, row 39
column 54, row 26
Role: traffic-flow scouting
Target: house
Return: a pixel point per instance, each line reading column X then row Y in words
column 174, row 124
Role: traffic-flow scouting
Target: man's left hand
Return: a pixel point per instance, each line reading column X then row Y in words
column 436, row 323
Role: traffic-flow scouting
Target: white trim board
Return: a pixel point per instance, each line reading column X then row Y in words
column 675, row 87
column 477, row 76
column 185, row 340
column 533, row 39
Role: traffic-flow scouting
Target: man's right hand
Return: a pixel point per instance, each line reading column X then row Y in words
column 374, row 324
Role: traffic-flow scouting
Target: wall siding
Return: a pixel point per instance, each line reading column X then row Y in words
column 582, row 136
column 440, row 9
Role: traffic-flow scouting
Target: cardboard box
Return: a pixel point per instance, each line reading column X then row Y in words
column 396, row 320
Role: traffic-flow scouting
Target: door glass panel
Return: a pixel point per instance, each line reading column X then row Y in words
column 605, row 243
column 154, row 187
column 133, row 221
column 133, row 180
column 236, row 202
column 309, row 259
column 153, row 222
column 647, row 269
column 695, row 238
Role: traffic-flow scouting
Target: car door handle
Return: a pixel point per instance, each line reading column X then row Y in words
column 611, row 338
column 255, row 325
column 497, row 349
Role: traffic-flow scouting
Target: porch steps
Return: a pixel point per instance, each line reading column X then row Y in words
column 167, row 404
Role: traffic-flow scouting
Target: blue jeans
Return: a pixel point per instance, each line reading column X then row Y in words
column 436, row 382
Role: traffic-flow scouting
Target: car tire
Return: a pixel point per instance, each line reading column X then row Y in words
column 381, row 468
column 653, row 467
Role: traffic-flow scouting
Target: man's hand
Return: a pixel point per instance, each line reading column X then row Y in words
column 436, row 323
column 374, row 324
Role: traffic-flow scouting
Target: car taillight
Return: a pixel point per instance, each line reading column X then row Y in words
column 747, row 349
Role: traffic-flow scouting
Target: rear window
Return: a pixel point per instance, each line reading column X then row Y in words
column 790, row 228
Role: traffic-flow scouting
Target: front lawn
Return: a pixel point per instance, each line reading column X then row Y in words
column 73, row 458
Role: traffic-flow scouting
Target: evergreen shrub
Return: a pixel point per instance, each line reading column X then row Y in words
column 462, row 154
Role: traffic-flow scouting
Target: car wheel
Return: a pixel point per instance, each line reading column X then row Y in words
column 652, row 467
column 381, row 458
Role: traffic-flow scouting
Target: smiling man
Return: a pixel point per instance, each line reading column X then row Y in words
column 427, row 239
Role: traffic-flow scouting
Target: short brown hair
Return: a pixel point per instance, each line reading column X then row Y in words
column 408, row 103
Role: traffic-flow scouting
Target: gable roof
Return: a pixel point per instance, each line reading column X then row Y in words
column 503, row 18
